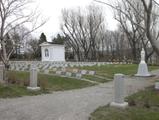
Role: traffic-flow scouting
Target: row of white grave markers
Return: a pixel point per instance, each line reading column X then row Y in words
column 25, row 66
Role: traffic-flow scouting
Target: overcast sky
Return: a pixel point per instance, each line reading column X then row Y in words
column 52, row 9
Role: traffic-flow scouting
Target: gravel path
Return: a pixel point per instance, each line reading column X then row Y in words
column 67, row 105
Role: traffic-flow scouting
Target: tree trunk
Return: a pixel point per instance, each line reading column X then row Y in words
column 148, row 14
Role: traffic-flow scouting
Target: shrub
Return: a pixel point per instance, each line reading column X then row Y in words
column 132, row 102
column 44, row 85
column 11, row 78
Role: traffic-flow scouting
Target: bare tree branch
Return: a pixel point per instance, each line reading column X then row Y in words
column 11, row 17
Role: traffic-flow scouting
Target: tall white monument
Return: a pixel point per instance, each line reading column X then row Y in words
column 142, row 68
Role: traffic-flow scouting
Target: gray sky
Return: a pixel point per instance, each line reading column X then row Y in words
column 52, row 9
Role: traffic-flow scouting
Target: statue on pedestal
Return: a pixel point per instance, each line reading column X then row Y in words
column 143, row 69
column 142, row 55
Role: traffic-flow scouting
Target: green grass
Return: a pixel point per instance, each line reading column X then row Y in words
column 11, row 91
column 20, row 80
column 96, row 78
column 143, row 105
column 56, row 83
column 48, row 83
column 107, row 113
column 149, row 96
column 109, row 70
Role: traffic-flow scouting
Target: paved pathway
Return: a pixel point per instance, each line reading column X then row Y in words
column 67, row 105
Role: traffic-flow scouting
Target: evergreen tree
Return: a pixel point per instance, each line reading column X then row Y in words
column 58, row 39
column 41, row 40
column 9, row 44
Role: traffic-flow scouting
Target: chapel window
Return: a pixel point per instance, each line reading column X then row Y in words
column 46, row 53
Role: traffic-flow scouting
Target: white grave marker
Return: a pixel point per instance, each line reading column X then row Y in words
column 1, row 73
column 33, row 80
column 119, row 92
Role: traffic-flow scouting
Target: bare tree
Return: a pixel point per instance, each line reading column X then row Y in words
column 81, row 29
column 68, row 27
column 141, row 15
column 101, row 43
column 95, row 21
column 11, row 16
column 20, row 35
column 33, row 50
column 131, row 30
column 149, row 13
column 137, row 22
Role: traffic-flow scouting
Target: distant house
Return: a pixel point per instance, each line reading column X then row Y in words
column 52, row 52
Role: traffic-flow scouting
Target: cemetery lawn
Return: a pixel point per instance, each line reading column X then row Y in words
column 143, row 105
column 11, row 91
column 48, row 83
column 96, row 78
column 108, row 71
column 56, row 83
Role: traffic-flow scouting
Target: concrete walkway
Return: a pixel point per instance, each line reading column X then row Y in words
column 67, row 105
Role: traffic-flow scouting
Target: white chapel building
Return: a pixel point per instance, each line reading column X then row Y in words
column 52, row 52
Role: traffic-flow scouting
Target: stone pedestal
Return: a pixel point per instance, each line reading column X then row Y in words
column 33, row 88
column 157, row 85
column 143, row 70
column 33, row 80
column 1, row 73
column 119, row 92
column 119, row 105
